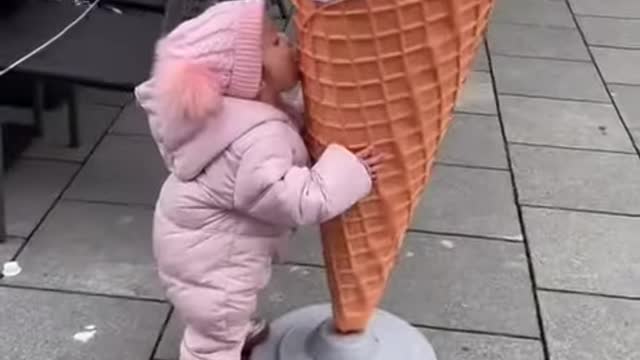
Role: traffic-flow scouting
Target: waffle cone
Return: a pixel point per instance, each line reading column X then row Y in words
column 385, row 73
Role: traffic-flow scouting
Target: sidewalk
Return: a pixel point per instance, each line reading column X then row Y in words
column 526, row 246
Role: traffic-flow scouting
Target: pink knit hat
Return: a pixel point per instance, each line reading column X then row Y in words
column 215, row 54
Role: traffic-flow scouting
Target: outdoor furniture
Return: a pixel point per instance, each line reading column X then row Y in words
column 154, row 5
column 107, row 49
column 178, row 11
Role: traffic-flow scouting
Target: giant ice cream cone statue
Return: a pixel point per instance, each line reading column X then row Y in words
column 384, row 73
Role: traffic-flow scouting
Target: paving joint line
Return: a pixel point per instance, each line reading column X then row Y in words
column 105, row 202
column 572, row 148
column 474, row 114
column 465, row 236
column 606, row 17
column 64, row 189
column 543, row 26
column 614, row 83
column 603, row 80
column 534, row 57
column 161, row 333
column 302, row 264
column 589, row 293
column 475, row 332
column 80, row 293
column 531, row 96
column 614, row 47
column 469, row 166
column 523, row 230
column 586, row 211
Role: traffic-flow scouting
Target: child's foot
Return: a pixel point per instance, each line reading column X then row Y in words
column 257, row 334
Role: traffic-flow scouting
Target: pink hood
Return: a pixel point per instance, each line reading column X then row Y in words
column 188, row 146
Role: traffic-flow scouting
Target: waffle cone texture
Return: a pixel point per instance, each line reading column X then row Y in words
column 385, row 73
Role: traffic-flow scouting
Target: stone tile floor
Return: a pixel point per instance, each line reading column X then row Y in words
column 526, row 246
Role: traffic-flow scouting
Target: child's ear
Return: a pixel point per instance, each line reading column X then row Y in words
column 187, row 89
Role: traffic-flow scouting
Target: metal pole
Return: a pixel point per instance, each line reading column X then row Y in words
column 72, row 106
column 38, row 106
column 3, row 220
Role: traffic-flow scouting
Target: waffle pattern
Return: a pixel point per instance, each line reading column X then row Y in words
column 384, row 73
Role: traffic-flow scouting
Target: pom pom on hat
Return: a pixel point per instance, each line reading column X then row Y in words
column 216, row 54
column 188, row 89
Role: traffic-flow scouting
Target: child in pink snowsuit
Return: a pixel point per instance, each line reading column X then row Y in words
column 239, row 180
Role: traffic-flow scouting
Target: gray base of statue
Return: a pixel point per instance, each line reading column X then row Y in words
column 307, row 334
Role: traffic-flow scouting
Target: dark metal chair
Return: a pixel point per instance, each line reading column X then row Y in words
column 178, row 11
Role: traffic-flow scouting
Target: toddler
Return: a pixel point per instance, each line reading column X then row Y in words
column 239, row 180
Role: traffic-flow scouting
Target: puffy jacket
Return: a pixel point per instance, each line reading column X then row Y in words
column 239, row 184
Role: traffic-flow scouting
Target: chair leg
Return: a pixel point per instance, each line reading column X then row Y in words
column 72, row 106
column 38, row 106
column 3, row 220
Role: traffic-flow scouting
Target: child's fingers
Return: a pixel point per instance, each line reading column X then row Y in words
column 376, row 167
column 375, row 160
column 365, row 152
column 379, row 158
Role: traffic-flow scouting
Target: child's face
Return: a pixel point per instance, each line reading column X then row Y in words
column 279, row 59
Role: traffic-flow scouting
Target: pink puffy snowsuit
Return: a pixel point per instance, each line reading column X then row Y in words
column 239, row 185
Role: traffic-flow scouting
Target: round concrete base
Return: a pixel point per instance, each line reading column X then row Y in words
column 307, row 334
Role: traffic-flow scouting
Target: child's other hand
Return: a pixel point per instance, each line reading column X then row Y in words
column 372, row 160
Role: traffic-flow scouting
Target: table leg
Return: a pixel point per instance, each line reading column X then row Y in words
column 3, row 220
column 72, row 106
column 38, row 106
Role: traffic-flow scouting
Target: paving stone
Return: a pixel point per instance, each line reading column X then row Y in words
column 94, row 248
column 616, row 8
column 42, row 325
column 169, row 345
column 132, row 121
column 464, row 284
column 31, row 188
column 477, row 95
column 611, row 32
column 123, row 170
column 563, row 123
column 100, row 96
column 447, row 344
column 293, row 287
column 463, row 346
column 472, row 284
column 468, row 284
column 548, row 78
column 9, row 247
column 626, row 97
column 93, row 121
column 584, row 252
column 481, row 62
column 582, row 327
column 474, row 140
column 305, row 247
column 577, row 179
column 526, row 40
column 618, row 65
column 534, row 12
column 469, row 201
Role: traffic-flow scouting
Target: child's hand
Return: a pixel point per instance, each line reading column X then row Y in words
column 372, row 160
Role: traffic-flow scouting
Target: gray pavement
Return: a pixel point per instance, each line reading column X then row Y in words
column 525, row 247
